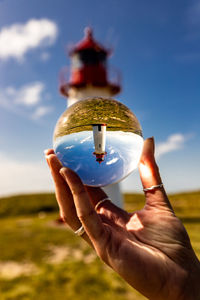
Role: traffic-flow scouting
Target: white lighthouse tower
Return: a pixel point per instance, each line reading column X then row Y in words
column 89, row 77
column 99, row 136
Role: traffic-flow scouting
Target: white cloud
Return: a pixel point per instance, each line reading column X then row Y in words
column 24, row 99
column 23, row 177
column 29, row 94
column 112, row 161
column 174, row 142
column 41, row 111
column 179, row 176
column 18, row 39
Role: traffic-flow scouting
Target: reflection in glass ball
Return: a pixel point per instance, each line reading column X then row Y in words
column 100, row 139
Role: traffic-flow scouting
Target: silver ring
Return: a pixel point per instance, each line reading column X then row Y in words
column 153, row 187
column 80, row 231
column 100, row 202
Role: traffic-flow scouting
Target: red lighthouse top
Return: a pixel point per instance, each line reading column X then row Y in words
column 89, row 43
column 89, row 66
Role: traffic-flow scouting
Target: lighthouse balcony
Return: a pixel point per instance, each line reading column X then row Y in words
column 96, row 76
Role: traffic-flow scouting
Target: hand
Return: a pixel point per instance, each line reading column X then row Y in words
column 149, row 248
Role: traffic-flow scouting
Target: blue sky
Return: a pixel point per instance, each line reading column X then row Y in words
column 156, row 48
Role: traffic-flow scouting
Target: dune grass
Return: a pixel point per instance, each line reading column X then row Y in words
column 40, row 259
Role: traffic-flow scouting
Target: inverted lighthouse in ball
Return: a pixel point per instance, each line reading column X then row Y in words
column 99, row 136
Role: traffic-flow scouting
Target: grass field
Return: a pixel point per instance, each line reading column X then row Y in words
column 40, row 259
column 97, row 110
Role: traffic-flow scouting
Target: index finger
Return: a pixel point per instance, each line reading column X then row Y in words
column 84, row 208
column 63, row 193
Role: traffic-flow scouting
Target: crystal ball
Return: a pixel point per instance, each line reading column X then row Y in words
column 100, row 139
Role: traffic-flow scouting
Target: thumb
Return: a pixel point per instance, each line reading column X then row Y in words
column 150, row 176
column 148, row 168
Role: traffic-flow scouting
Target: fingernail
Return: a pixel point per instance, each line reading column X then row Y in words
column 63, row 171
column 152, row 145
column 153, row 140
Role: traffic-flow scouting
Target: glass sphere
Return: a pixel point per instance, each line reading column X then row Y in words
column 100, row 139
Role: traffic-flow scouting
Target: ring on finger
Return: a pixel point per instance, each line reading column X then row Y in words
column 80, row 231
column 153, row 187
column 100, row 202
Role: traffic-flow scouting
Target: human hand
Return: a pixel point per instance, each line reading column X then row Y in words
column 149, row 248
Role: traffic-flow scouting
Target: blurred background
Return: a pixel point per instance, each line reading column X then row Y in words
column 156, row 48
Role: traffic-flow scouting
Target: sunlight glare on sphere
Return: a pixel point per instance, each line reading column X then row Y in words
column 100, row 139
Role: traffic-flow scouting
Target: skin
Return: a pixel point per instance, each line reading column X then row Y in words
column 149, row 248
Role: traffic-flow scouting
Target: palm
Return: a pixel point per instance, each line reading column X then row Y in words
column 152, row 242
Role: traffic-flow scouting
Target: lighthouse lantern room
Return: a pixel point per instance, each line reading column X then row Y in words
column 89, row 72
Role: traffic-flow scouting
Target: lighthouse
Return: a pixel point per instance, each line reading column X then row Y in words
column 99, row 136
column 89, row 76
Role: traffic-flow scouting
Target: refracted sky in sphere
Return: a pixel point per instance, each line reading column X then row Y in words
column 123, row 153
